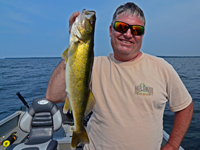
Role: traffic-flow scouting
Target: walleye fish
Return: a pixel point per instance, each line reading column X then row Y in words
column 79, row 58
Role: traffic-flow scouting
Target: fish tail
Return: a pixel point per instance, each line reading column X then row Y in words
column 79, row 138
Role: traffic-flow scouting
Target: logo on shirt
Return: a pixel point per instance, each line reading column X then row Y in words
column 143, row 89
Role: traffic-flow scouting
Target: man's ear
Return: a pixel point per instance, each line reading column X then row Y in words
column 110, row 30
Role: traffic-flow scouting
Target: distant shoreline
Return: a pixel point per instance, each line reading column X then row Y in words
column 33, row 58
column 61, row 57
column 179, row 56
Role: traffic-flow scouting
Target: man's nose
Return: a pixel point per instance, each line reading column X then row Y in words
column 128, row 33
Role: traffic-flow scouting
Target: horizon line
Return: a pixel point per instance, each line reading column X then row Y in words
column 37, row 57
column 50, row 57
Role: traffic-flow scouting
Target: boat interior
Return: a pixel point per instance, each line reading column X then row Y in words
column 25, row 122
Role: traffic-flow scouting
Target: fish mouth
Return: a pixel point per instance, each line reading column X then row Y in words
column 88, row 13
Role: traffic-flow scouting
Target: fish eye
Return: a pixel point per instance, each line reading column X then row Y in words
column 91, row 21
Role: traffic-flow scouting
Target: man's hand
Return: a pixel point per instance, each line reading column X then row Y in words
column 72, row 19
column 168, row 147
column 182, row 121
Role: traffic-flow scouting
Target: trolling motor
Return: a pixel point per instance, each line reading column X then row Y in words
column 22, row 99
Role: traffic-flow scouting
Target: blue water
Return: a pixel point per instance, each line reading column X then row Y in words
column 30, row 77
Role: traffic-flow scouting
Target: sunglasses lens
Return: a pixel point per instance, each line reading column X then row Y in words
column 120, row 27
column 137, row 30
column 123, row 27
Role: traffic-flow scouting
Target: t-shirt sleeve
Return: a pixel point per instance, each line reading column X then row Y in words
column 178, row 96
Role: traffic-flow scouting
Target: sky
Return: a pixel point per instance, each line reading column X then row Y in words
column 39, row 28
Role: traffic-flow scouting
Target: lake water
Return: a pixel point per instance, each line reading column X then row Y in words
column 30, row 77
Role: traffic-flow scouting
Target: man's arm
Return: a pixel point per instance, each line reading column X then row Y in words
column 182, row 121
column 56, row 87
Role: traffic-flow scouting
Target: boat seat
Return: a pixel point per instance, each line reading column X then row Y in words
column 41, row 119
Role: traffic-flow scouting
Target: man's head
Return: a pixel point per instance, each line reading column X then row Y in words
column 126, row 45
column 129, row 8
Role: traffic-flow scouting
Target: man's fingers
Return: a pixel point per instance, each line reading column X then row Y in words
column 72, row 19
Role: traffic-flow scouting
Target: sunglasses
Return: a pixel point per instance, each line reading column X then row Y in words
column 123, row 27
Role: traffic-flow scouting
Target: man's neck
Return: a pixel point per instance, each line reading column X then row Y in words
column 126, row 59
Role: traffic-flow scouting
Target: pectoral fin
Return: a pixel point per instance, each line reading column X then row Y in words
column 67, row 106
column 90, row 104
column 65, row 55
column 70, row 50
column 73, row 47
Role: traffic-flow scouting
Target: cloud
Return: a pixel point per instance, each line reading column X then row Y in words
column 25, row 6
column 18, row 17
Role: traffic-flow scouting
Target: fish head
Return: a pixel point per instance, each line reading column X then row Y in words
column 84, row 25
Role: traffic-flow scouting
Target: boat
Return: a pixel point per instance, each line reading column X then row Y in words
column 63, row 135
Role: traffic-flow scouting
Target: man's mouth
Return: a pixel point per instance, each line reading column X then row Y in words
column 127, row 42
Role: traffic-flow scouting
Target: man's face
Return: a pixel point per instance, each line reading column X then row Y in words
column 126, row 46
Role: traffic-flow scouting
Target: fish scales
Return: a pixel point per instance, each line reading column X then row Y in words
column 78, row 85
column 79, row 60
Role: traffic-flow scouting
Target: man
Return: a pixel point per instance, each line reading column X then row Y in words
column 131, row 89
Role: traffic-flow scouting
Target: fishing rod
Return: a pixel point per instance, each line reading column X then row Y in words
column 22, row 99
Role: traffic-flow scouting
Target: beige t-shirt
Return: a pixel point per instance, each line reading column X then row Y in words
column 130, row 101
